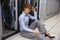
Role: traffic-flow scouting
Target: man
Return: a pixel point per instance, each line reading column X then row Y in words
column 29, row 31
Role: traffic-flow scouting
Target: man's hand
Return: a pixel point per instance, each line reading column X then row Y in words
column 33, row 9
column 36, row 32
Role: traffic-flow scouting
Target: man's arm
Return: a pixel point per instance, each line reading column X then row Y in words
column 23, row 25
column 33, row 17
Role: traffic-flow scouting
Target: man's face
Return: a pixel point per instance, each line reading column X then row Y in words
column 27, row 10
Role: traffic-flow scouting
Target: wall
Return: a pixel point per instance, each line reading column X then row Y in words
column 48, row 8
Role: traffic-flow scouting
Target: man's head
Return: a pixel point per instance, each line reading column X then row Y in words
column 27, row 8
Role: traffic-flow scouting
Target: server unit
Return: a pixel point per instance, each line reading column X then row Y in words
column 9, row 18
column 0, row 23
column 48, row 8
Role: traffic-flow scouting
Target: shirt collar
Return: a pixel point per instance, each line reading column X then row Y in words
column 24, row 13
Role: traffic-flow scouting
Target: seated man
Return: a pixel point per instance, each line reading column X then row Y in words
column 29, row 31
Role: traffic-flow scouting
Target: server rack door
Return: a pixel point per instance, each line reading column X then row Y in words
column 0, row 23
column 8, row 9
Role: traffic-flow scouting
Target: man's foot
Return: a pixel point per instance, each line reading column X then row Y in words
column 49, row 35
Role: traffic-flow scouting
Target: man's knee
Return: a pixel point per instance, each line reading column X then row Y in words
column 37, row 21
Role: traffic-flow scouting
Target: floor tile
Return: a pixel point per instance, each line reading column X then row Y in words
column 52, row 22
column 56, row 29
column 19, row 37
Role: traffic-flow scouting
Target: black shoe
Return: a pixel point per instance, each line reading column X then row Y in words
column 49, row 36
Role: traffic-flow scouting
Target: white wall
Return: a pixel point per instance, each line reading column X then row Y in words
column 48, row 7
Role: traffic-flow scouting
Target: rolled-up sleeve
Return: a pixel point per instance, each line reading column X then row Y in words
column 23, row 25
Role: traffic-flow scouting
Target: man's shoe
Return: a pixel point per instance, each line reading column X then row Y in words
column 49, row 36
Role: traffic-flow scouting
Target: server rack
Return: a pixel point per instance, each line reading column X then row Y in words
column 8, row 18
column 0, row 23
column 16, row 9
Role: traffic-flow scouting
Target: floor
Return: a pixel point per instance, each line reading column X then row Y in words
column 52, row 25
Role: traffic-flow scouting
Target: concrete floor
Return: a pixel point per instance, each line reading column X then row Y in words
column 52, row 25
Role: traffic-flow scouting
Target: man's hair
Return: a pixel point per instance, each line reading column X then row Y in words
column 27, row 5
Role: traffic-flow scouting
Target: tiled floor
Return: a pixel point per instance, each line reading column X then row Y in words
column 52, row 25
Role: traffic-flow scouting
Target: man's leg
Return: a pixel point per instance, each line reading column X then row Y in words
column 37, row 24
column 41, row 28
column 27, row 34
column 32, row 35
